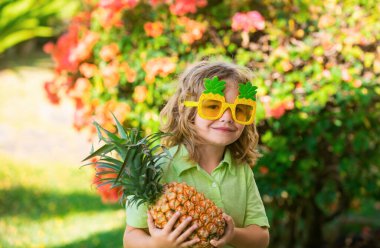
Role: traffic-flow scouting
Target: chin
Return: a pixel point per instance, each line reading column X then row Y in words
column 222, row 142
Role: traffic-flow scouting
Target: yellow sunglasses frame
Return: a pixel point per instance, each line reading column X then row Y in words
column 225, row 105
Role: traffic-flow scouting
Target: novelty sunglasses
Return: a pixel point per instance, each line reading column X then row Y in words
column 212, row 103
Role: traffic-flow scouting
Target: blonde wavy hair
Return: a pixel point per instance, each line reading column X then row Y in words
column 179, row 120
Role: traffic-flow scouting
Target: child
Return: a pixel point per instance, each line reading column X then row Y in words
column 214, row 146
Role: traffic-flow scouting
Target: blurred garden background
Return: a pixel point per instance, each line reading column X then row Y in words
column 66, row 63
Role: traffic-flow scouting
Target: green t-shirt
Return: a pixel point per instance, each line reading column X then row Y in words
column 231, row 186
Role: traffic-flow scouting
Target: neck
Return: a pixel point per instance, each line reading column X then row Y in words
column 210, row 157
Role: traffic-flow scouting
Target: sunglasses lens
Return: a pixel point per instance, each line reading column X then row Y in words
column 211, row 108
column 243, row 112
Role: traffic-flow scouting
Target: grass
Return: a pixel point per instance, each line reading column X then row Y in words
column 53, row 205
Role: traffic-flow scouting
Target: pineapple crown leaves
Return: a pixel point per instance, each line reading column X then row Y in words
column 214, row 86
column 247, row 91
column 136, row 166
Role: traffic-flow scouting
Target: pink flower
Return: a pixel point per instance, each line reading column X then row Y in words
column 157, row 2
column 48, row 47
column 121, row 110
column 52, row 90
column 140, row 93
column 117, row 5
column 346, row 76
column 81, row 88
column 82, row 114
column 68, row 50
column 88, row 70
column 109, row 52
column 326, row 21
column 108, row 194
column 194, row 30
column 263, row 170
column 158, row 66
column 357, row 83
column 83, row 50
column 277, row 111
column 111, row 75
column 129, row 72
column 108, row 17
column 110, row 12
column 265, row 99
column 62, row 51
column 248, row 22
column 182, row 7
column 153, row 29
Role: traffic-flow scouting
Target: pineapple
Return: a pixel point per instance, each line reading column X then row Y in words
column 213, row 88
column 247, row 93
column 136, row 162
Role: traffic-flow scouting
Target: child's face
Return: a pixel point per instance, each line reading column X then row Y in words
column 223, row 131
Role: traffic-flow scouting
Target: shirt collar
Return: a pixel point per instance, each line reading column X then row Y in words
column 181, row 163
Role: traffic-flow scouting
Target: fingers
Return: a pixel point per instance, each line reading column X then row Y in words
column 229, row 223
column 187, row 233
column 151, row 225
column 176, row 237
column 190, row 243
column 169, row 226
column 216, row 243
column 177, row 232
column 227, row 218
column 219, row 243
column 228, row 233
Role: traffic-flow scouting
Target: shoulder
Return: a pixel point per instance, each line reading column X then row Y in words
column 244, row 173
column 243, row 168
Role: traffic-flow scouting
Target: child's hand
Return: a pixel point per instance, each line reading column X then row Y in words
column 228, row 232
column 169, row 238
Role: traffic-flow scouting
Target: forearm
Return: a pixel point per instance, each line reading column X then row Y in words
column 136, row 238
column 251, row 236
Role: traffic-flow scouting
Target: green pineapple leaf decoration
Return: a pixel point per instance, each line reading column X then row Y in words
column 247, row 91
column 214, row 86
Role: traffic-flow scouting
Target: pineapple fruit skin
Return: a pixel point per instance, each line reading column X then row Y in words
column 180, row 197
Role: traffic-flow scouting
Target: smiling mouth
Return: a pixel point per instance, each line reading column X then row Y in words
column 224, row 129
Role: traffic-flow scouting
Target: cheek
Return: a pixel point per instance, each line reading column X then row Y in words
column 197, row 121
column 200, row 122
column 241, row 128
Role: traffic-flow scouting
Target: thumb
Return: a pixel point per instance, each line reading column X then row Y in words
column 214, row 243
column 151, row 225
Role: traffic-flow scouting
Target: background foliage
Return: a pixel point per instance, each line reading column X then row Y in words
column 316, row 64
column 22, row 20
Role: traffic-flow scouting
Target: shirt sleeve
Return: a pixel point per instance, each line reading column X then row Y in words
column 255, row 211
column 136, row 216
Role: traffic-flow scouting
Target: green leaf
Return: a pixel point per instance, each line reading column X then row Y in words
column 23, row 35
column 113, row 137
column 102, row 150
column 247, row 91
column 214, row 86
column 120, row 128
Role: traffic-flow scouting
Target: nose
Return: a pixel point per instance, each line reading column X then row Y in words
column 227, row 116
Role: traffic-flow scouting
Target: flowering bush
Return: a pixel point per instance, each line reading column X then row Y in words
column 108, row 61
column 317, row 68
